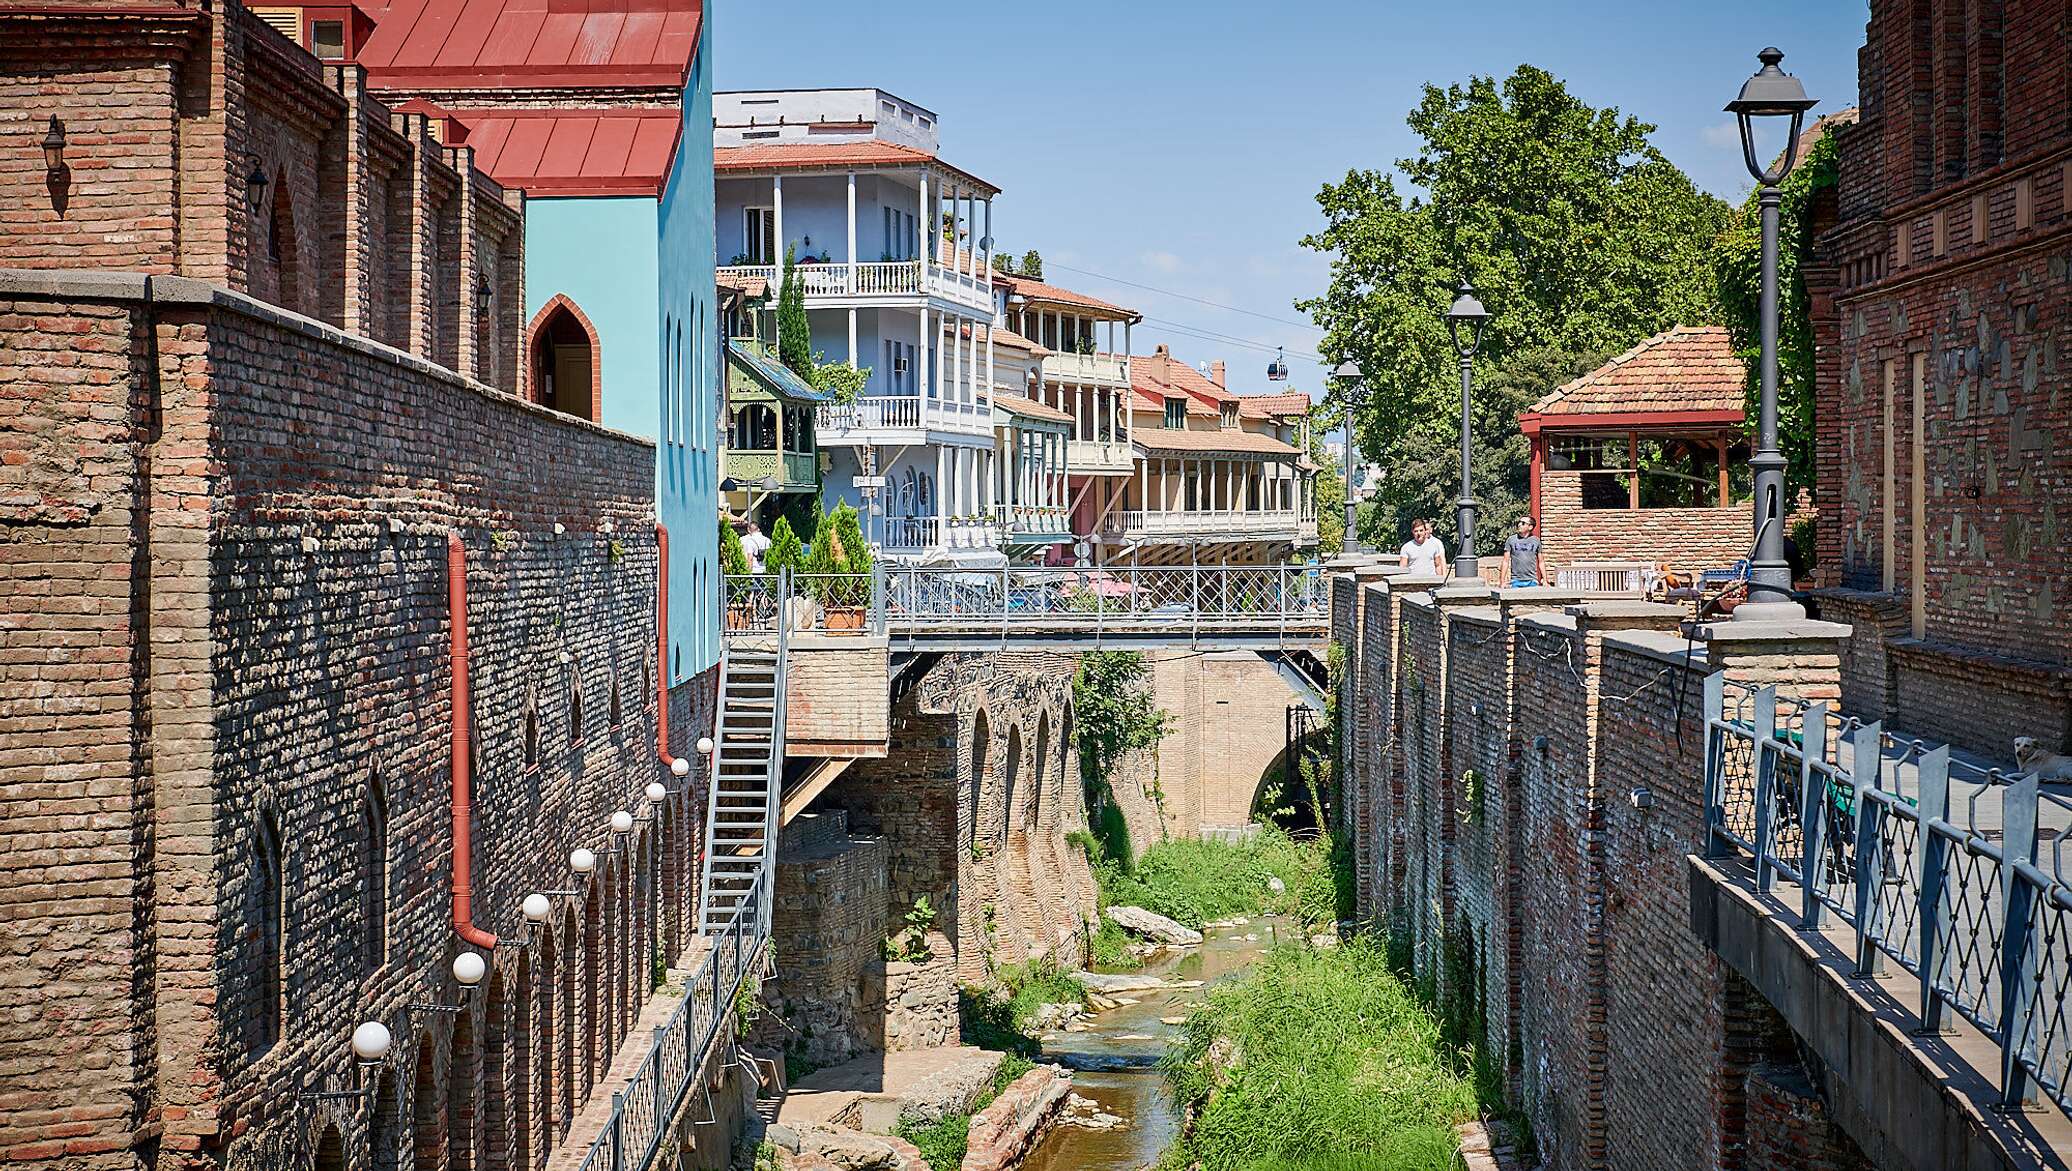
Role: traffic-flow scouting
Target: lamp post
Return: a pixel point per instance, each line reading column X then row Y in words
column 1771, row 93
column 1466, row 314
column 1348, row 375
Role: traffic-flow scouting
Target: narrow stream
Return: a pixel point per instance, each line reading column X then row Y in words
column 1115, row 1059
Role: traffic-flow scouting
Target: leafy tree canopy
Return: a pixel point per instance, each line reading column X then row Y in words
column 1738, row 264
column 1579, row 235
column 1032, row 265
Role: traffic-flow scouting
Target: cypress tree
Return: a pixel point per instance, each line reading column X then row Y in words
column 794, row 332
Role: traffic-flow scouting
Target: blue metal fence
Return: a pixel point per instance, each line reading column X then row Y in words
column 1931, row 863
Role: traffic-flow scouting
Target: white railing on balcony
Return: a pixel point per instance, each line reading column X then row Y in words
column 1095, row 455
column 1089, row 369
column 938, row 532
column 1043, row 519
column 904, row 412
column 1193, row 523
column 887, row 278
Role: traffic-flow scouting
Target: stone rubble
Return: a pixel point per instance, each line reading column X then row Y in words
column 1153, row 926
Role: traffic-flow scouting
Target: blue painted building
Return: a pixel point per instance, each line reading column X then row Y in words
column 603, row 118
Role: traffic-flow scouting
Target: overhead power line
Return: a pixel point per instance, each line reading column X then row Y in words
column 1209, row 335
column 1188, row 297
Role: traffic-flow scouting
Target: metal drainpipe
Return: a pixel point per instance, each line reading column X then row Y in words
column 457, row 621
column 662, row 645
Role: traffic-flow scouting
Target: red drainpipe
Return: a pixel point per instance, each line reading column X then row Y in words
column 457, row 620
column 662, row 644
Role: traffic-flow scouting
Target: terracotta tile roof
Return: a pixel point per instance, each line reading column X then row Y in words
column 1689, row 368
column 491, row 44
column 1223, row 441
column 1161, row 374
column 1846, row 116
column 1036, row 290
column 1151, row 396
column 617, row 151
column 1009, row 339
column 1268, row 406
column 790, row 156
column 1017, row 405
column 754, row 288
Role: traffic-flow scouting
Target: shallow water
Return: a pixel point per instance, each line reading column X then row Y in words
column 1116, row 1059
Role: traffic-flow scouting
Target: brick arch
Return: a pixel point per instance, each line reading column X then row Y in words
column 385, row 1128
column 565, row 1060
column 427, row 1112
column 1040, row 774
column 330, row 1154
column 596, row 969
column 463, row 1105
column 518, row 1055
column 1010, row 781
column 556, row 305
column 981, row 770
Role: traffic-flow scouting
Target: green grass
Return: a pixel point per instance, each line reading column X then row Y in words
column 1032, row 985
column 1339, row 1067
column 1196, row 882
column 944, row 1143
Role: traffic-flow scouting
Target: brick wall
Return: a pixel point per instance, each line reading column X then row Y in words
column 826, row 712
column 234, row 547
column 829, row 928
column 1942, row 305
column 1546, row 898
column 1689, row 539
column 1227, row 733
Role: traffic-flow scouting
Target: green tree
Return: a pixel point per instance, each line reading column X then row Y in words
column 1738, row 264
column 1580, row 236
column 794, row 331
column 733, row 559
column 838, row 380
column 1330, row 490
column 786, row 550
column 848, row 532
column 1002, row 262
column 1111, row 702
column 1032, row 265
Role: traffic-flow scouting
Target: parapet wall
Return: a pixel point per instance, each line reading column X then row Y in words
column 1525, row 787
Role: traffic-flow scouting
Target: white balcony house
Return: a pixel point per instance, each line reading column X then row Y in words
column 893, row 247
column 1085, row 370
column 1219, row 477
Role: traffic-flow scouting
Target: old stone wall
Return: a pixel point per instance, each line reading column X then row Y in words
column 1942, row 306
column 233, row 549
column 1228, row 732
column 1550, row 772
column 829, row 929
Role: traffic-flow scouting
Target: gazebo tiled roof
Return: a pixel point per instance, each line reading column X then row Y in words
column 1687, row 374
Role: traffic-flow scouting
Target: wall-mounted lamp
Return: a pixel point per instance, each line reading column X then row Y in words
column 54, row 149
column 255, row 186
column 680, row 767
column 468, row 969
column 656, row 790
column 370, row 1044
column 483, row 296
column 536, row 907
column 704, row 746
column 559, row 528
column 582, row 861
column 622, row 823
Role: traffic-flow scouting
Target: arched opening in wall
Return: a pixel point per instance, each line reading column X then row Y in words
column 618, row 710
column 564, row 359
column 614, row 964
column 575, row 705
column 595, row 965
column 330, row 1151
column 981, row 760
column 1011, row 775
column 268, row 928
column 496, row 1092
column 565, row 1075
column 374, row 872
column 385, row 1130
column 461, row 1119
column 1295, row 789
column 518, row 1052
column 282, row 245
column 1042, row 769
column 427, row 1119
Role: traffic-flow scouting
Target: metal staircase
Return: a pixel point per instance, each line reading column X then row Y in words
column 741, row 812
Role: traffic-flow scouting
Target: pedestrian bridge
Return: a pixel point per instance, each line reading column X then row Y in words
column 952, row 608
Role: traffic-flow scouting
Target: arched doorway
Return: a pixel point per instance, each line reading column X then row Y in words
column 330, row 1151
column 518, row 1052
column 427, row 1119
column 385, row 1133
column 981, row 744
column 1010, row 782
column 564, row 359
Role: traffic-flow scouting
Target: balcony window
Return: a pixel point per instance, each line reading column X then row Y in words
column 1230, row 414
column 759, row 234
column 753, row 428
column 1176, row 414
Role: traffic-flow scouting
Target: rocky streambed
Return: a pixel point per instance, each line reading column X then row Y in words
column 1119, row 1117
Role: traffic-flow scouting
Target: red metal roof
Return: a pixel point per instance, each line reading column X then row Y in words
column 617, row 151
column 805, row 156
column 479, row 44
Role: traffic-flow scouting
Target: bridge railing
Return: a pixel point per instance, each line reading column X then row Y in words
column 813, row 603
column 1181, row 600
column 1932, row 864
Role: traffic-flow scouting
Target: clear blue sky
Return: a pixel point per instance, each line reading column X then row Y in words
column 1181, row 146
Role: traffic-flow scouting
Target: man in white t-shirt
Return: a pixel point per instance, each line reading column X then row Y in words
column 755, row 544
column 1423, row 554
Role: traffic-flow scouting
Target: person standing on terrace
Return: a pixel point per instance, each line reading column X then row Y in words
column 1522, row 555
column 1423, row 554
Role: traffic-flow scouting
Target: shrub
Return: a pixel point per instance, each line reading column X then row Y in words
column 786, row 551
column 733, row 559
column 1195, row 882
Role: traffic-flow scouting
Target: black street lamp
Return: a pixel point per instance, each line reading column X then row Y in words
column 1348, row 375
column 1771, row 93
column 1467, row 314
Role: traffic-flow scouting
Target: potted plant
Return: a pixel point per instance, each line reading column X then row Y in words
column 848, row 595
column 788, row 552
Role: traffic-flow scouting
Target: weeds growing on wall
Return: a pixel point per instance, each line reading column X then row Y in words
column 1315, row 1056
column 1111, row 704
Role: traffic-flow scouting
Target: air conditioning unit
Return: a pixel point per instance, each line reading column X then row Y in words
column 899, row 367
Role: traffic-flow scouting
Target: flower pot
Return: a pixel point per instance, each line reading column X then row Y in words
column 845, row 618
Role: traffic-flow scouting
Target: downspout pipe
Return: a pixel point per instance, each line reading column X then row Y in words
column 463, row 802
column 662, row 651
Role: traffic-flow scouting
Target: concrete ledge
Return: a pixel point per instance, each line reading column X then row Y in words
column 1626, row 608
column 1919, row 1103
column 1789, row 631
column 1673, row 649
column 1546, row 595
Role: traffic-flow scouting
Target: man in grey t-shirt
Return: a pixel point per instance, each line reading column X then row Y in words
column 1522, row 555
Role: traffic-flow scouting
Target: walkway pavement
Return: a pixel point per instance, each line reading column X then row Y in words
column 596, row 1110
